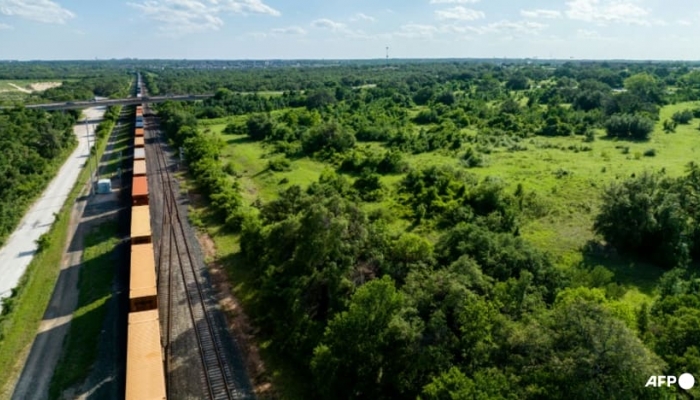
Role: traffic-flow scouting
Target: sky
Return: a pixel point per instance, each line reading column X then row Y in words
column 349, row 29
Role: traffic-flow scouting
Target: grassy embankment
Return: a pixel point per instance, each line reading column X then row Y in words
column 96, row 276
column 567, row 181
column 34, row 291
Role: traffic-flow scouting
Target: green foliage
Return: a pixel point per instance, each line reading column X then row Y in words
column 629, row 127
column 329, row 138
column 650, row 216
column 259, row 126
column 670, row 125
column 34, row 144
column 682, row 117
column 202, row 152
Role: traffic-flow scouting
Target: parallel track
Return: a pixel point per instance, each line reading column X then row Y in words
column 216, row 375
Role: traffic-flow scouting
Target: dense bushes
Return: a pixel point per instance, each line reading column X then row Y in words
column 328, row 138
column 628, row 126
column 653, row 216
column 202, row 153
column 682, row 117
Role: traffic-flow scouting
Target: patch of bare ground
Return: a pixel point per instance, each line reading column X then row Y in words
column 236, row 319
column 41, row 86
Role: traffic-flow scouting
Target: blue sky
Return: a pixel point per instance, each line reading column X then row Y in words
column 284, row 29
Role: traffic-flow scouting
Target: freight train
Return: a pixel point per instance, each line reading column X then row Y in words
column 145, row 377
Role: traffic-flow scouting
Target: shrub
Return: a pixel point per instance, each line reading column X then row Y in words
column 650, row 153
column 629, row 126
column 670, row 126
column 682, row 117
column 279, row 164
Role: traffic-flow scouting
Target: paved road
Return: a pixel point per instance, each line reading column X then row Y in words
column 21, row 245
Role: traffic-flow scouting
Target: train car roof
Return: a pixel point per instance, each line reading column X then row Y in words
column 139, row 186
column 140, row 221
column 140, row 167
column 142, row 280
column 145, row 379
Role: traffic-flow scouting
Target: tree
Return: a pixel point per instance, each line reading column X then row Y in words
column 579, row 350
column 350, row 361
column 330, row 136
column 319, row 99
column 260, row 126
column 645, row 87
column 643, row 216
column 517, row 82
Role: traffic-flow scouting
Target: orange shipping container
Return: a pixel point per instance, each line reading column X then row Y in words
column 139, row 191
column 143, row 294
column 139, row 167
column 140, row 225
column 145, row 377
column 139, row 141
column 138, row 132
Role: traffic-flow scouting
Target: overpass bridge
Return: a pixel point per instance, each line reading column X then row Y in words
column 76, row 105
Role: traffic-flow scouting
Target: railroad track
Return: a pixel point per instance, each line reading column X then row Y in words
column 176, row 257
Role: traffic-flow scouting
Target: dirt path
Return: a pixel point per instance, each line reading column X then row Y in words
column 21, row 89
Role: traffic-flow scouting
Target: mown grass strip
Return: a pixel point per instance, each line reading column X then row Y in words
column 96, row 276
column 19, row 327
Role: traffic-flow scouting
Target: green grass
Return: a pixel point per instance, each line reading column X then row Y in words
column 250, row 158
column 121, row 144
column 33, row 293
column 96, row 275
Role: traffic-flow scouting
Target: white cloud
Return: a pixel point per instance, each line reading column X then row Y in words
column 325, row 23
column 179, row 17
column 683, row 22
column 459, row 13
column 587, row 34
column 256, row 35
column 290, row 30
column 540, row 13
column 453, row 1
column 417, row 31
column 627, row 11
column 503, row 26
column 5, row 26
column 45, row 11
column 246, row 7
column 362, row 17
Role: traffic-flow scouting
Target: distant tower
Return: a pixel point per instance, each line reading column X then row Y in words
column 387, row 55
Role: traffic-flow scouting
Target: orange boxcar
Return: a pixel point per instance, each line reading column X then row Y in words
column 145, row 376
column 140, row 225
column 139, row 191
column 143, row 294
column 138, row 132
